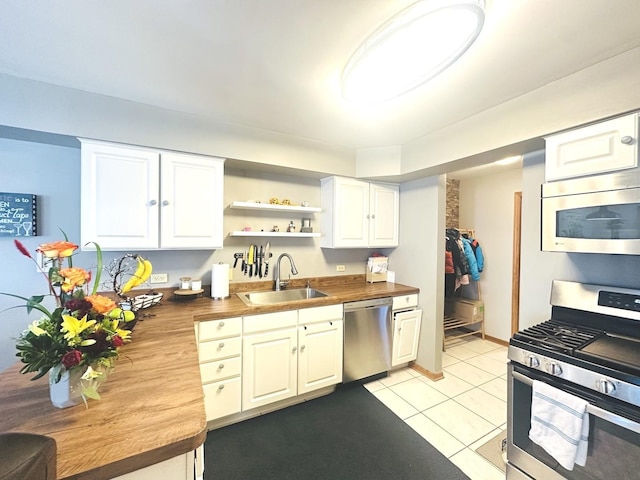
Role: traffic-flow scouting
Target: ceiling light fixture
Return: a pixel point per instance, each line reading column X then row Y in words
column 410, row 48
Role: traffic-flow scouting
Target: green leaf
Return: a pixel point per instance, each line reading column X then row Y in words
column 91, row 392
column 96, row 282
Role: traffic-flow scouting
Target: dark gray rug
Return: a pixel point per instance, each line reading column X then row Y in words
column 348, row 434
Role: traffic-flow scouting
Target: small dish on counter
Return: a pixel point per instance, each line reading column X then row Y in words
column 188, row 293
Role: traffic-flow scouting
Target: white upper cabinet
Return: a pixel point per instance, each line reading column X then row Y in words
column 603, row 147
column 192, row 202
column 359, row 214
column 136, row 198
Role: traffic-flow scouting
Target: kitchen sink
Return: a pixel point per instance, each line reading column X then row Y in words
column 282, row 296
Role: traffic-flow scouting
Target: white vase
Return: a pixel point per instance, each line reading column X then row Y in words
column 68, row 391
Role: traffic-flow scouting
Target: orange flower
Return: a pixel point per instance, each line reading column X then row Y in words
column 101, row 304
column 74, row 277
column 60, row 249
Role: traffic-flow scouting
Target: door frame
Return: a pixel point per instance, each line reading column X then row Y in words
column 515, row 277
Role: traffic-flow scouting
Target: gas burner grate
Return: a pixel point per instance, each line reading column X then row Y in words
column 558, row 336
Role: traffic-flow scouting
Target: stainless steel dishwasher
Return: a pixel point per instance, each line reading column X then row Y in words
column 367, row 338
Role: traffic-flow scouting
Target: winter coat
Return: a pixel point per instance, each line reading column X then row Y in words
column 471, row 259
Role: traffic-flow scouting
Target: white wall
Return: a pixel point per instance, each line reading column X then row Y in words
column 419, row 260
column 605, row 89
column 49, row 108
column 486, row 205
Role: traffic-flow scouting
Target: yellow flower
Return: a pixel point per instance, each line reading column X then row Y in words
column 90, row 374
column 74, row 277
column 36, row 330
column 101, row 304
column 60, row 249
column 73, row 327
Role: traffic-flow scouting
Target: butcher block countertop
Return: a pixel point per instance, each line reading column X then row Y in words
column 152, row 406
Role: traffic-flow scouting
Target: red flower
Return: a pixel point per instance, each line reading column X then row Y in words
column 117, row 341
column 22, row 249
column 71, row 359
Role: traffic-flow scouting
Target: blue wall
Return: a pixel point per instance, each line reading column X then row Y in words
column 53, row 173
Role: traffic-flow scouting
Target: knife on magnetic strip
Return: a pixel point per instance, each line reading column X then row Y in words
column 266, row 258
column 250, row 260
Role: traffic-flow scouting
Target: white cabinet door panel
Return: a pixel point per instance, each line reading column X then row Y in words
column 599, row 148
column 385, row 207
column 119, row 196
column 190, row 187
column 320, row 355
column 406, row 334
column 269, row 367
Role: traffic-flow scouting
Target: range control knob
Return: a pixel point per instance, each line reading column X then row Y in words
column 605, row 386
column 554, row 368
column 532, row 361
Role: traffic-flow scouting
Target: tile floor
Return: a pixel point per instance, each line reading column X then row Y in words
column 459, row 413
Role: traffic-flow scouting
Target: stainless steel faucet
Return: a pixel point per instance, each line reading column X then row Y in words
column 276, row 272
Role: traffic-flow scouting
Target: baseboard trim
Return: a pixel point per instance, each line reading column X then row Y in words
column 497, row 340
column 427, row 373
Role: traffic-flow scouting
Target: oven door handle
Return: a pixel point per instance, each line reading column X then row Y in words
column 592, row 409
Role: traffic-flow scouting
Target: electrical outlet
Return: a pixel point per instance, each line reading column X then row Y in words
column 159, row 278
column 340, row 268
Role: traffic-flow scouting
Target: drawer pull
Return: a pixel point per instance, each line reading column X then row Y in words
column 221, row 366
column 221, row 324
column 221, row 387
column 221, row 345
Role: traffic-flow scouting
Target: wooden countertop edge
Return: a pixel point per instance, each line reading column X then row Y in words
column 142, row 460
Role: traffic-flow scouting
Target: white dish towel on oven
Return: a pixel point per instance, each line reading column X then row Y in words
column 559, row 424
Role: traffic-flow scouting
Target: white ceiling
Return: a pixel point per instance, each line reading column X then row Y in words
column 275, row 64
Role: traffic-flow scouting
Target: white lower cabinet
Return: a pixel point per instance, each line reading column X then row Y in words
column 252, row 361
column 320, row 345
column 290, row 353
column 219, row 349
column 405, row 337
column 189, row 466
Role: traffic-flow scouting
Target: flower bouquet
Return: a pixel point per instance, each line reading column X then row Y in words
column 81, row 335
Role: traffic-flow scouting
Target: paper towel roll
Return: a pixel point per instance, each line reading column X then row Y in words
column 220, row 280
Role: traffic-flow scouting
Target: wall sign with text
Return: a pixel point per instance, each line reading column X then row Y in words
column 18, row 215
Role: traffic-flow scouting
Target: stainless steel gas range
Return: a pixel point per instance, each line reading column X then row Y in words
column 590, row 351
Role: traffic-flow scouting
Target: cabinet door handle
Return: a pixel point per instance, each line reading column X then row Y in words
column 221, row 387
column 152, row 202
column 373, row 216
column 293, row 350
column 627, row 140
column 302, row 348
column 221, row 345
column 165, row 203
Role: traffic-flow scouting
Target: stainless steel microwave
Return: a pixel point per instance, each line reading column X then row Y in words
column 597, row 214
